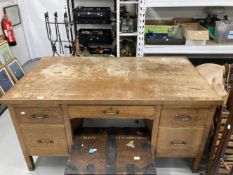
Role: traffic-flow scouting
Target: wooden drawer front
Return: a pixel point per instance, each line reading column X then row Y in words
column 182, row 142
column 111, row 111
column 39, row 115
column 178, row 117
column 44, row 140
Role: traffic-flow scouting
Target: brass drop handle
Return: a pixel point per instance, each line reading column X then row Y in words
column 184, row 117
column 111, row 112
column 45, row 141
column 39, row 116
column 175, row 143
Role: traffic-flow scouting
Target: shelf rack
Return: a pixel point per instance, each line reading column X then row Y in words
column 72, row 6
column 139, row 23
column 185, row 3
column 179, row 49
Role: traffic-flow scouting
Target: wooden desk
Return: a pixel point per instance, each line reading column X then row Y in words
column 168, row 91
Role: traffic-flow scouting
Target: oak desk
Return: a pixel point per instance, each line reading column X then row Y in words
column 167, row 91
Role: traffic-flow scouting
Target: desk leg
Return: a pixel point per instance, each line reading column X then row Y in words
column 196, row 164
column 30, row 163
column 197, row 160
column 28, row 159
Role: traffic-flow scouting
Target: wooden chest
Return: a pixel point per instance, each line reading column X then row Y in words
column 116, row 151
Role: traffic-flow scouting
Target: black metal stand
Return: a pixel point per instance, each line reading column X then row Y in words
column 69, row 32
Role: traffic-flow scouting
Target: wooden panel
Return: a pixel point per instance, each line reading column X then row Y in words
column 179, row 142
column 150, row 81
column 111, row 112
column 178, row 117
column 68, row 127
column 28, row 158
column 39, row 115
column 44, row 140
column 119, row 151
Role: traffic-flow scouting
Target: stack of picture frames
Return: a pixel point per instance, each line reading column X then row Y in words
column 10, row 70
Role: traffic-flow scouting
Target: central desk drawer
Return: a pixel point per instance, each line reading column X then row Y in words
column 179, row 142
column 44, row 140
column 179, row 117
column 39, row 115
column 111, row 111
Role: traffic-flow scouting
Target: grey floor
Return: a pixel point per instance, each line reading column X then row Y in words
column 12, row 161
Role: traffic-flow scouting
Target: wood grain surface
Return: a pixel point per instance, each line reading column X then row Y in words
column 179, row 142
column 142, row 112
column 157, row 80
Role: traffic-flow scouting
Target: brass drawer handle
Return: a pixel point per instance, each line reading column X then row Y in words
column 184, row 117
column 44, row 141
column 39, row 116
column 182, row 143
column 117, row 112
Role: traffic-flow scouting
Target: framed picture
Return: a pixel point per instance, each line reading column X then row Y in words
column 5, row 80
column 15, row 70
column 5, row 53
column 1, row 91
column 13, row 14
column 1, row 38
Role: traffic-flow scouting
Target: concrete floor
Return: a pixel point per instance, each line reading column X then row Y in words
column 12, row 160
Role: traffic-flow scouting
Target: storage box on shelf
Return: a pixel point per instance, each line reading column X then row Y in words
column 192, row 46
column 158, row 32
column 224, row 32
column 195, row 34
column 92, row 15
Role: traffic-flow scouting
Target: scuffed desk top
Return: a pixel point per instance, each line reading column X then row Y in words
column 149, row 80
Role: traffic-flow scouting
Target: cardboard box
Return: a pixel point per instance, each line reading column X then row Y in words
column 195, row 42
column 194, row 31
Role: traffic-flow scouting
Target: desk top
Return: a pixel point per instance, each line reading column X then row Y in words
column 147, row 81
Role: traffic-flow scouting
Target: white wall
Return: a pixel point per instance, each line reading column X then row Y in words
column 33, row 15
column 21, row 50
column 33, row 12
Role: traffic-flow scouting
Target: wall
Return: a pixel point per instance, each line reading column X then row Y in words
column 21, row 50
column 33, row 15
column 32, row 12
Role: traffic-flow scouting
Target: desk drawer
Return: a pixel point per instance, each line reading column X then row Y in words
column 179, row 117
column 182, row 142
column 111, row 111
column 39, row 115
column 44, row 140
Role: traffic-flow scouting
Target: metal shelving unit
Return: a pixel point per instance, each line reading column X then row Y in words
column 128, row 34
column 185, row 3
column 210, row 48
column 72, row 5
column 182, row 49
column 140, row 25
